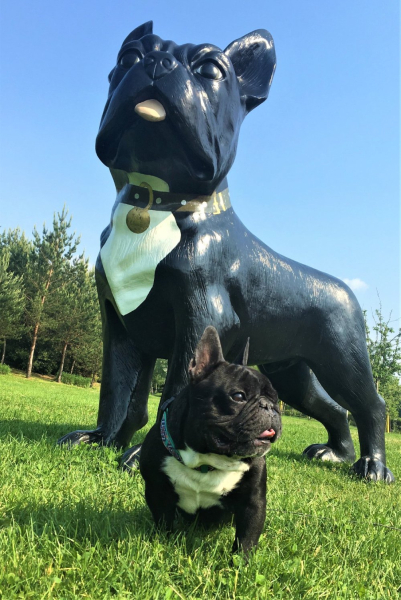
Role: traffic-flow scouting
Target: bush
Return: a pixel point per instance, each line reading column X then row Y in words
column 77, row 380
column 395, row 425
column 5, row 370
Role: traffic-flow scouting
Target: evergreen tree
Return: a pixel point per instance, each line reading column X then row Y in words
column 87, row 351
column 384, row 350
column 47, row 271
column 77, row 314
column 19, row 247
column 159, row 374
column 385, row 358
column 11, row 302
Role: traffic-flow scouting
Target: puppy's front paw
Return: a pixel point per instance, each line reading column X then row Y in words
column 240, row 555
column 373, row 469
column 325, row 452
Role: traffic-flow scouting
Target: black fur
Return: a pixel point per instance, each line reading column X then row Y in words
column 209, row 417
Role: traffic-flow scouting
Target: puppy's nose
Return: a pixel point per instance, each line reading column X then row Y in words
column 157, row 64
column 263, row 403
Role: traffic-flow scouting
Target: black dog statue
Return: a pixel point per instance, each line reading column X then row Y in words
column 205, row 454
column 175, row 257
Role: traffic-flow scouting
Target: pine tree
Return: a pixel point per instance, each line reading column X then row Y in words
column 77, row 311
column 159, row 374
column 87, row 351
column 12, row 302
column 47, row 271
column 385, row 358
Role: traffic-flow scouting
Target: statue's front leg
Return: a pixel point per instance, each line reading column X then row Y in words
column 176, row 380
column 191, row 321
column 126, row 377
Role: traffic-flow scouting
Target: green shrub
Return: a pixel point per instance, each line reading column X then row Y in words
column 77, row 380
column 5, row 370
column 67, row 378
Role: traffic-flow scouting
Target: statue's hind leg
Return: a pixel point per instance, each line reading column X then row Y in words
column 298, row 387
column 340, row 361
column 349, row 380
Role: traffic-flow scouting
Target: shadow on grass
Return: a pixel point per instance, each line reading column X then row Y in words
column 79, row 524
column 35, row 431
column 321, row 464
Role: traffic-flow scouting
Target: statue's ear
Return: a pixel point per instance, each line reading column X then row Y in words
column 242, row 358
column 208, row 354
column 254, row 60
column 139, row 32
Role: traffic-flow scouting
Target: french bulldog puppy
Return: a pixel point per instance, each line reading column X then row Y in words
column 205, row 454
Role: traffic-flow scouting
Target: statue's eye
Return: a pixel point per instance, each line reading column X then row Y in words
column 210, row 70
column 238, row 397
column 129, row 59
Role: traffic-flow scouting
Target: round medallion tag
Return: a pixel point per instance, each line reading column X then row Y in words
column 138, row 219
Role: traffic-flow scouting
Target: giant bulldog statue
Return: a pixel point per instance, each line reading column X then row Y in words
column 175, row 258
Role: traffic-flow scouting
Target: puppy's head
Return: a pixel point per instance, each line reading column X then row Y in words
column 233, row 409
column 174, row 111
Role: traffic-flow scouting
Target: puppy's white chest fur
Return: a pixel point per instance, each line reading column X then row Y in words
column 203, row 490
column 130, row 259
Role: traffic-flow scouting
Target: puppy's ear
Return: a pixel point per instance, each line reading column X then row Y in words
column 254, row 60
column 208, row 354
column 242, row 358
column 139, row 32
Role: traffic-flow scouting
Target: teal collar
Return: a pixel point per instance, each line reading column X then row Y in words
column 169, row 442
column 167, row 439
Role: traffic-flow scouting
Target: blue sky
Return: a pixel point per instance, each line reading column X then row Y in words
column 317, row 170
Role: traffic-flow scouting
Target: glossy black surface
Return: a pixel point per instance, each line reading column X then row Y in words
column 194, row 147
column 306, row 328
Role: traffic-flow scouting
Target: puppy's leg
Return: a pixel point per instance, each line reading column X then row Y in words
column 250, row 508
column 123, row 394
column 298, row 387
column 162, row 502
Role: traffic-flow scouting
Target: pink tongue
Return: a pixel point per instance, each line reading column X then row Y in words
column 267, row 434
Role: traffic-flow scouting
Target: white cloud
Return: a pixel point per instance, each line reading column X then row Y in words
column 357, row 285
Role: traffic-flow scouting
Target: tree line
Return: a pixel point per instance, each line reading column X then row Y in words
column 49, row 312
column 50, row 317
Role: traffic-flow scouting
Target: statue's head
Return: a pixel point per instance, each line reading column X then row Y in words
column 175, row 111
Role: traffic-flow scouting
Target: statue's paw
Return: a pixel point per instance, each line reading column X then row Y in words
column 325, row 452
column 130, row 459
column 372, row 469
column 81, row 437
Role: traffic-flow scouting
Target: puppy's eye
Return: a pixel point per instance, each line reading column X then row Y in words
column 210, row 70
column 238, row 397
column 129, row 59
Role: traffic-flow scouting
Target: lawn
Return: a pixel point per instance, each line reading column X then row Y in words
column 72, row 525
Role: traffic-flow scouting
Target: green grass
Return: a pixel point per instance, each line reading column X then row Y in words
column 73, row 526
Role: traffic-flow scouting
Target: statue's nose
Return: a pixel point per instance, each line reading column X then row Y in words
column 157, row 64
